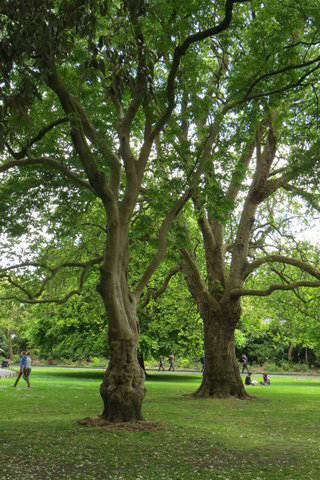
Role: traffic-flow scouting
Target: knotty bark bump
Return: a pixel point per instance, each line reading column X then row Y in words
column 122, row 389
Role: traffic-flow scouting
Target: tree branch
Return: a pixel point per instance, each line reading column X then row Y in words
column 197, row 283
column 162, row 242
column 151, row 293
column 304, row 266
column 180, row 51
column 49, row 162
column 23, row 152
column 309, row 197
column 278, row 72
column 33, row 298
column 241, row 292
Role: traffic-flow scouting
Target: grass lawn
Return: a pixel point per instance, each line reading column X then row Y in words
column 276, row 436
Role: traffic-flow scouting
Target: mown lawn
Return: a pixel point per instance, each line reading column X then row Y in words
column 273, row 437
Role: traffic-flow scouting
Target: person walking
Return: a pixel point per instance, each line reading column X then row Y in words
column 161, row 364
column 23, row 366
column 27, row 370
column 171, row 360
column 244, row 363
column 203, row 363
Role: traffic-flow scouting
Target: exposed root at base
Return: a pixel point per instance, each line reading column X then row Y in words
column 221, row 396
column 138, row 426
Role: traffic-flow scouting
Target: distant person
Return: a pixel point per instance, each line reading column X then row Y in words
column 161, row 364
column 248, row 380
column 266, row 379
column 171, row 360
column 244, row 360
column 28, row 369
column 23, row 366
column 203, row 362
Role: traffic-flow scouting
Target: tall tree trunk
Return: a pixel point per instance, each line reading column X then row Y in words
column 306, row 359
column 122, row 389
column 221, row 377
column 10, row 348
column 290, row 352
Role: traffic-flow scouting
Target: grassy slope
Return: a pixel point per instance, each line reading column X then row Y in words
column 277, row 436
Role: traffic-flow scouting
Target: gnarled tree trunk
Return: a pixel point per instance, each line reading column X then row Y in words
column 122, row 389
column 221, row 377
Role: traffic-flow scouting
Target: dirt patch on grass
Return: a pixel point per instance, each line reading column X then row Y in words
column 140, row 426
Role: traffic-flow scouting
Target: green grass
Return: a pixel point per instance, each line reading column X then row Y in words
column 275, row 436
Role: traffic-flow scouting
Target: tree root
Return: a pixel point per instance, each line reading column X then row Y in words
column 136, row 426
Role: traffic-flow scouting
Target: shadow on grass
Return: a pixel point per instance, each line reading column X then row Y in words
column 88, row 374
column 300, row 384
column 172, row 378
column 98, row 375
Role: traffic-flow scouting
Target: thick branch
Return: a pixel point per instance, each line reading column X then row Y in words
column 198, row 285
column 151, row 293
column 32, row 298
column 49, row 162
column 162, row 242
column 280, row 71
column 235, row 183
column 241, row 292
column 304, row 266
column 23, row 152
column 79, row 129
column 254, row 198
column 59, row 301
column 287, row 281
column 178, row 54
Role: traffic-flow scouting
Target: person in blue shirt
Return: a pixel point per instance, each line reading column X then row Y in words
column 23, row 366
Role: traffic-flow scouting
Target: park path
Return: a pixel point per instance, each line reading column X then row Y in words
column 177, row 372
column 4, row 372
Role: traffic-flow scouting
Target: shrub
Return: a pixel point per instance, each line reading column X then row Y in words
column 285, row 366
column 95, row 361
column 271, row 367
column 184, row 363
column 300, row 367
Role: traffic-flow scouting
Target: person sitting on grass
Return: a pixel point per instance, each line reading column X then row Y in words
column 248, row 380
column 266, row 380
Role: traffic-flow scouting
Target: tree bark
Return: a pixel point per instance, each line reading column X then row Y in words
column 290, row 352
column 306, row 358
column 9, row 339
column 221, row 376
column 122, row 389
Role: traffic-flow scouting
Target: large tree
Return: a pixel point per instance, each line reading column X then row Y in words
column 262, row 176
column 88, row 90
